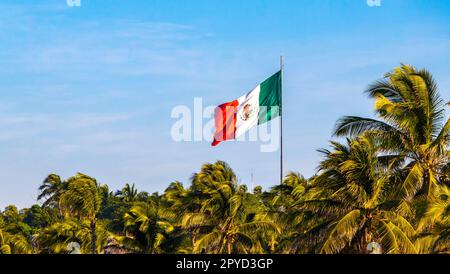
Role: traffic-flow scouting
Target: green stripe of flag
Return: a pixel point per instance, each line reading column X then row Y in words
column 270, row 98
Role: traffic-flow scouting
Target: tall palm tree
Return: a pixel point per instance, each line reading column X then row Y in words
column 232, row 224
column 351, row 197
column 218, row 178
column 180, row 201
column 82, row 200
column 411, row 126
column 148, row 224
column 51, row 190
column 278, row 202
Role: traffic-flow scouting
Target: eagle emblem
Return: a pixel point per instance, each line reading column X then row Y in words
column 247, row 112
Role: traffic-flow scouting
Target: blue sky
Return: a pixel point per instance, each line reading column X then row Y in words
column 91, row 88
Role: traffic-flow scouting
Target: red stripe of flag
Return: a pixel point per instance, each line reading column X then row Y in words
column 225, row 122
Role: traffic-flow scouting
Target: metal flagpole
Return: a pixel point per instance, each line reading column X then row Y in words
column 281, row 119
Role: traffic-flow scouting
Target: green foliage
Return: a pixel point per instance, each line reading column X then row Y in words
column 147, row 226
column 388, row 182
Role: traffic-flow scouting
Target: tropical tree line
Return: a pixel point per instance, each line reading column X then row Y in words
column 385, row 183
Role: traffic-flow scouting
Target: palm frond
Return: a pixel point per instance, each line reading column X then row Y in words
column 343, row 231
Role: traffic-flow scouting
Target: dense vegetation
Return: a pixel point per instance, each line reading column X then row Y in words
column 388, row 182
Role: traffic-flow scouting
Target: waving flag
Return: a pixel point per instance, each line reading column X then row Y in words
column 260, row 105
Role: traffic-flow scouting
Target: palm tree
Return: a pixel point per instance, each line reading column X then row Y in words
column 14, row 244
column 82, row 200
column 56, row 237
column 283, row 195
column 180, row 201
column 4, row 247
column 278, row 202
column 351, row 194
column 128, row 193
column 147, row 225
column 16, row 235
column 175, row 196
column 84, row 235
column 232, row 224
column 436, row 223
column 51, row 190
column 411, row 112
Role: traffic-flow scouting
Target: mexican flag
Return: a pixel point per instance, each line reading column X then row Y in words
column 260, row 105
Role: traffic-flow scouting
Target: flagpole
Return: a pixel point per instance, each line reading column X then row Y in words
column 281, row 118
